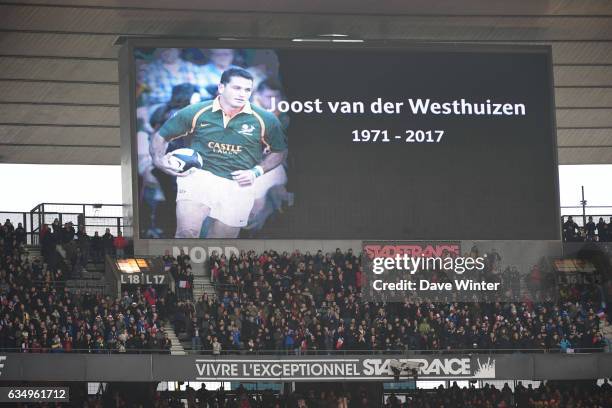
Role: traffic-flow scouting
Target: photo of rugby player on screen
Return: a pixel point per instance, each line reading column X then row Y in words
column 238, row 142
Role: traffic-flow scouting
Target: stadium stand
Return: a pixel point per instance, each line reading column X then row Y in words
column 40, row 314
column 266, row 303
column 272, row 303
column 589, row 231
column 311, row 303
column 550, row 395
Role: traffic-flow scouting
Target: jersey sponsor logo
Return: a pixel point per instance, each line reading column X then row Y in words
column 224, row 148
column 247, row 130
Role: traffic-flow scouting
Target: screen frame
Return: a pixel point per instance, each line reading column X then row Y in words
column 127, row 102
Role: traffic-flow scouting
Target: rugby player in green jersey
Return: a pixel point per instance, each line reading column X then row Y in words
column 238, row 143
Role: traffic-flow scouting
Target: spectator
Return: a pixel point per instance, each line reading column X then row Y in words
column 565, row 345
column 107, row 243
column 590, row 229
column 194, row 332
column 602, row 230
column 20, row 234
column 166, row 344
column 119, row 243
column 97, row 247
column 9, row 228
column 570, row 230
column 48, row 242
column 83, row 246
column 216, row 347
column 68, row 233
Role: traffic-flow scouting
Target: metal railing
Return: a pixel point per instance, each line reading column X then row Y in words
column 582, row 233
column 309, row 353
column 57, row 283
column 47, row 350
column 578, row 218
column 581, row 217
column 219, row 288
column 94, row 217
column 590, row 210
column 97, row 217
column 16, row 218
column 402, row 352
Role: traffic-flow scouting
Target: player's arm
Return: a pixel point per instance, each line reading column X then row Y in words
column 247, row 177
column 177, row 126
column 272, row 160
column 277, row 148
column 158, row 149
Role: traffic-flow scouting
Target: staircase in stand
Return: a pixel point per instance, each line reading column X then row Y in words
column 201, row 286
column 177, row 348
column 90, row 279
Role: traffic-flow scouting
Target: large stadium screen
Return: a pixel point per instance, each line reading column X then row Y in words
column 424, row 143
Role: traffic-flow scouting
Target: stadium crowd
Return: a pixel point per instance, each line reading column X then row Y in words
column 68, row 249
column 546, row 395
column 312, row 303
column 549, row 395
column 591, row 231
column 180, row 269
column 39, row 314
column 270, row 302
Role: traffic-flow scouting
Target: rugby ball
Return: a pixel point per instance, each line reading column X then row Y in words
column 181, row 160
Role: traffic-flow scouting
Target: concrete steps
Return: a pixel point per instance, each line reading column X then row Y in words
column 177, row 348
column 34, row 252
column 95, row 267
column 201, row 286
column 91, row 279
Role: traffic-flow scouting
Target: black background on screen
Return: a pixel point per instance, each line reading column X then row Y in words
column 491, row 177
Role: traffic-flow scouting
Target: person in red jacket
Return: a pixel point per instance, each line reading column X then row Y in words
column 120, row 243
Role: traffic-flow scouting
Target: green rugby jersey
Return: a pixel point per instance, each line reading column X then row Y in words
column 226, row 145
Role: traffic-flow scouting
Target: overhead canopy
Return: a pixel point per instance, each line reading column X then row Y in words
column 58, row 65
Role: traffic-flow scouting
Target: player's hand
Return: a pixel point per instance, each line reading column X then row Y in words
column 163, row 165
column 244, row 177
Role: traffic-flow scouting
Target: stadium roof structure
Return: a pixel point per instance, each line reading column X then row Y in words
column 59, row 91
